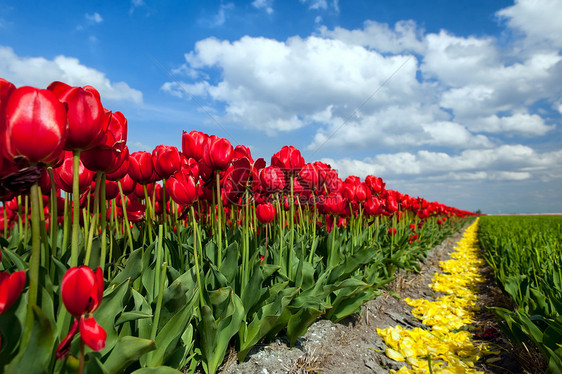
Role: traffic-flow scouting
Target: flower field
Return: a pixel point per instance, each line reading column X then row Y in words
column 159, row 262
column 526, row 255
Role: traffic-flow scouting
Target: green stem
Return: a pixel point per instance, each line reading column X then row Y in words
column 103, row 221
column 53, row 213
column 201, row 300
column 292, row 233
column 81, row 364
column 66, row 227
column 93, row 223
column 34, row 263
column 219, row 224
column 149, row 211
column 75, row 208
column 125, row 218
column 20, row 222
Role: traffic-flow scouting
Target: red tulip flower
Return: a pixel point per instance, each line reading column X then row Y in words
column 376, row 185
column 63, row 175
column 272, row 179
column 87, row 120
column 308, row 176
column 123, row 169
column 182, row 188
column 192, row 144
column 265, row 213
column 108, row 155
column 218, row 153
column 140, row 167
column 128, row 185
column 392, row 231
column 135, row 211
column 82, row 292
column 11, row 286
column 288, row 159
column 35, row 125
column 166, row 160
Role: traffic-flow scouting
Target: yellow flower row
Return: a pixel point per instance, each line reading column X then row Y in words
column 443, row 349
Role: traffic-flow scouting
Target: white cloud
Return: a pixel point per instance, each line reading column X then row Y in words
column 522, row 122
column 220, row 18
column 507, row 162
column 266, row 5
column 539, row 20
column 94, row 17
column 405, row 37
column 39, row 72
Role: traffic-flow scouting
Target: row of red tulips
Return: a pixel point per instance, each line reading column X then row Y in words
column 63, row 139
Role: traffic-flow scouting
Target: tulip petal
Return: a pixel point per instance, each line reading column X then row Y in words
column 76, row 289
column 64, row 346
column 92, row 333
column 11, row 286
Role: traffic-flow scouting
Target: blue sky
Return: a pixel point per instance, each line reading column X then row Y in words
column 455, row 101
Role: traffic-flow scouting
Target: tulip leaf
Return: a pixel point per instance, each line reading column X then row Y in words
column 128, row 350
column 219, row 323
column 157, row 370
column 112, row 305
column 133, row 268
column 36, row 355
column 168, row 337
column 132, row 316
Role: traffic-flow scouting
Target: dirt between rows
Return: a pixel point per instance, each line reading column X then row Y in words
column 353, row 345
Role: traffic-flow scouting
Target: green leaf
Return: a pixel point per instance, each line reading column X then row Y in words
column 219, row 323
column 157, row 370
column 127, row 351
column 132, row 269
column 36, row 356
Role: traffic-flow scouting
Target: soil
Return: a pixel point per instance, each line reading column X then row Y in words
column 353, row 345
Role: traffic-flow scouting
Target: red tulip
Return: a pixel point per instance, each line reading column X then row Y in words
column 87, row 120
column 128, row 184
column 288, row 159
column 11, row 286
column 123, row 169
column 192, row 144
column 135, row 211
column 191, row 165
column 63, row 175
column 392, row 231
column 272, row 179
column 308, row 176
column 6, row 89
column 376, row 185
column 82, row 290
column 372, row 206
column 35, row 125
column 108, row 155
column 182, row 188
column 241, row 151
column 265, row 213
column 92, row 333
column 166, row 160
column 141, row 167
column 218, row 153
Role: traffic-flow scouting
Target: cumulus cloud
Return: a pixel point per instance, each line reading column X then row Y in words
column 39, row 72
column 539, row 20
column 507, row 162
